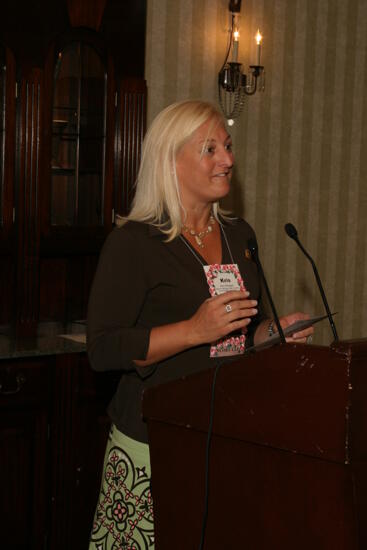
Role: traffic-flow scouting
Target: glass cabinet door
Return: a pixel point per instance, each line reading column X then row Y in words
column 78, row 137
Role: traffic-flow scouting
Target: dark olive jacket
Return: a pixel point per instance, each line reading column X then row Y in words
column 142, row 282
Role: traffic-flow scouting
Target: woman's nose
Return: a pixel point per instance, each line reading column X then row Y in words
column 226, row 158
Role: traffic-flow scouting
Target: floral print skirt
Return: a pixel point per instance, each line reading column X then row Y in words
column 124, row 514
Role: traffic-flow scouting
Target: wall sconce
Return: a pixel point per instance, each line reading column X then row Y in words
column 233, row 84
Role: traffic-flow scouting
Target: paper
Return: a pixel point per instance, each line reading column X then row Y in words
column 288, row 331
column 80, row 338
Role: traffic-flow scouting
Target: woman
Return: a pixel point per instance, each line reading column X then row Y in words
column 151, row 312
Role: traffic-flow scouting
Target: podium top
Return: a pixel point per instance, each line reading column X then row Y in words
column 298, row 398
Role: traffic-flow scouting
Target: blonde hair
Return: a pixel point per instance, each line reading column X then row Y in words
column 157, row 196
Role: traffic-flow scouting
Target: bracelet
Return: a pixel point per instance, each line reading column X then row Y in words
column 271, row 330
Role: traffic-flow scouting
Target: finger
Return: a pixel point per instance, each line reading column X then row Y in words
column 237, row 304
column 240, row 324
column 303, row 333
column 246, row 305
column 232, row 295
column 296, row 340
column 236, row 310
column 292, row 318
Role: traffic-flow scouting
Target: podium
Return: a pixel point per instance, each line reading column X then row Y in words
column 288, row 455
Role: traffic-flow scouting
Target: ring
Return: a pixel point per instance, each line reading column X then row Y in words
column 228, row 308
column 309, row 339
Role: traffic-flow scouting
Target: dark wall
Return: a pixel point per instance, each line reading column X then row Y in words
column 29, row 28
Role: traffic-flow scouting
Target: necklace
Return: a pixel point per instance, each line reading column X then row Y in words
column 192, row 250
column 202, row 234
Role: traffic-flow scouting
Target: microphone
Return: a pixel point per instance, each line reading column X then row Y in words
column 292, row 233
column 252, row 244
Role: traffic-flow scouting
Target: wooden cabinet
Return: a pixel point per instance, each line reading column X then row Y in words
column 73, row 119
column 53, row 432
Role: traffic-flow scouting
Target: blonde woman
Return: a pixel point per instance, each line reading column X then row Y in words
column 153, row 312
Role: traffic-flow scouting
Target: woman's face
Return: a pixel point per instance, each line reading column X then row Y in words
column 204, row 165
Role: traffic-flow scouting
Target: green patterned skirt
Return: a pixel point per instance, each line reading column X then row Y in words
column 124, row 514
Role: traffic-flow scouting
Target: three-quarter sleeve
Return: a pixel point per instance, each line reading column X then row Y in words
column 114, row 337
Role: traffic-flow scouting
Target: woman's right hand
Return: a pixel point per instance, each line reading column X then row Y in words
column 219, row 316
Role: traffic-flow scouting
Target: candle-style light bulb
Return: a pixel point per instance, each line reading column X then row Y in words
column 236, row 38
column 258, row 39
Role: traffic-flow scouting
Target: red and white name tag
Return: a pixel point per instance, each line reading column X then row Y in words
column 224, row 278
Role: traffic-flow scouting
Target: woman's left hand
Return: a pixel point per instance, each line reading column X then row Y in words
column 302, row 336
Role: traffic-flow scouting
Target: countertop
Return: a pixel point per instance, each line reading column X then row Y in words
column 55, row 341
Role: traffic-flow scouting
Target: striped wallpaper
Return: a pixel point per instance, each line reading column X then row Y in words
column 301, row 146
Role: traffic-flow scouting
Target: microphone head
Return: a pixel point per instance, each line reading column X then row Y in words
column 291, row 230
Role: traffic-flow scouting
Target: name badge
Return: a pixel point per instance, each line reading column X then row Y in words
column 224, row 278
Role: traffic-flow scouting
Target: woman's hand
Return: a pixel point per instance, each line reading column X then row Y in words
column 302, row 336
column 219, row 316
column 214, row 319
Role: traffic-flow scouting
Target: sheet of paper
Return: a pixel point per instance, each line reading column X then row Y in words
column 80, row 338
column 291, row 329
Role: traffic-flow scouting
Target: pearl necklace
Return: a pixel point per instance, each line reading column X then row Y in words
column 202, row 234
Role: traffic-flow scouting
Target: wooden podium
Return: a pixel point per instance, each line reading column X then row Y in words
column 288, row 459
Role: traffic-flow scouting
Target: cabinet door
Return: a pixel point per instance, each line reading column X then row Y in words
column 79, row 437
column 91, row 424
column 76, row 201
column 78, row 137
column 24, row 500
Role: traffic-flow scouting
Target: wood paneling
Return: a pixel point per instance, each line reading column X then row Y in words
column 6, row 235
column 86, row 13
column 130, row 128
column 29, row 144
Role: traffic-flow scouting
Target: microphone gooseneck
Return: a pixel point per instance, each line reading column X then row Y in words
column 252, row 244
column 293, row 234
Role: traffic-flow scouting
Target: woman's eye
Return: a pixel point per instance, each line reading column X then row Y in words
column 229, row 147
column 209, row 150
